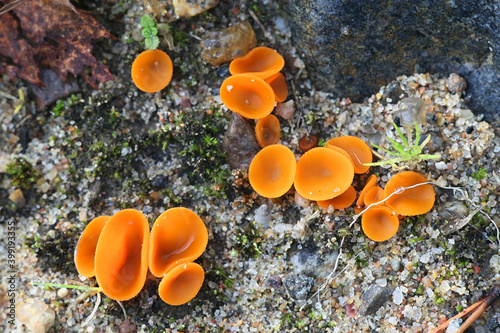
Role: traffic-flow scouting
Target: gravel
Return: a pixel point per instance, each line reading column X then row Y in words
column 117, row 148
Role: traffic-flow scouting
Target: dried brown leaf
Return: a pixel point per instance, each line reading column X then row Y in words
column 51, row 33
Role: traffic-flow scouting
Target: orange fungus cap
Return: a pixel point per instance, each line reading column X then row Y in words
column 356, row 148
column 414, row 201
column 86, row 246
column 152, row 70
column 178, row 236
column 268, row 131
column 380, row 223
column 181, row 284
column 323, row 174
column 342, row 201
column 278, row 83
column 374, row 194
column 371, row 182
column 272, row 171
column 261, row 61
column 247, row 95
column 121, row 257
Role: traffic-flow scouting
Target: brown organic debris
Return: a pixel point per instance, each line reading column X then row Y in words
column 50, row 33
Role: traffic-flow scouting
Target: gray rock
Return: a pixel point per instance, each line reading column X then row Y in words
column 373, row 298
column 411, row 110
column 298, row 285
column 353, row 47
column 240, row 143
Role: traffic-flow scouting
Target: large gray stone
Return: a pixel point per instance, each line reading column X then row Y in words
column 353, row 47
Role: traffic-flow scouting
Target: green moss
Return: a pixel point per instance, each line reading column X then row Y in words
column 249, row 240
column 22, row 173
column 480, row 174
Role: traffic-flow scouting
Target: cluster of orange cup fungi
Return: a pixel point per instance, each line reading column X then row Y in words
column 119, row 249
column 152, row 70
column 325, row 174
column 256, row 83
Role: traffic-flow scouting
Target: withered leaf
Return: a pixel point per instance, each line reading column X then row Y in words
column 50, row 34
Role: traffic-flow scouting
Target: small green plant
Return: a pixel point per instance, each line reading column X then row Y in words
column 479, row 174
column 150, row 32
column 409, row 152
column 22, row 173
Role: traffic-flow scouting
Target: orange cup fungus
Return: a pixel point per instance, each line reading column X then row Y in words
column 342, row 201
column 358, row 150
column 308, row 142
column 178, row 236
column 272, row 171
column 375, row 194
column 181, row 284
column 268, row 131
column 86, row 246
column 414, row 201
column 278, row 83
column 323, row 174
column 121, row 256
column 371, row 182
column 247, row 95
column 152, row 70
column 262, row 61
column 379, row 223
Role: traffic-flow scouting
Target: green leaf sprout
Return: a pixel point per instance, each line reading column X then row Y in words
column 409, row 152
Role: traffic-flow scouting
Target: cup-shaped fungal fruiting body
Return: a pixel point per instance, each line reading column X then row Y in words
column 373, row 195
column 413, row 201
column 181, row 284
column 342, row 201
column 380, row 223
column 261, row 61
column 178, row 236
column 268, row 131
column 278, row 83
column 86, row 246
column 371, row 182
column 121, row 257
column 356, row 148
column 308, row 142
column 323, row 174
column 247, row 95
column 152, row 71
column 272, row 171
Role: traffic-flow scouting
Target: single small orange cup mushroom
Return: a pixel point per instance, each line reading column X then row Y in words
column 356, row 148
column 247, row 95
column 323, row 174
column 342, row 201
column 121, row 257
column 414, row 201
column 268, row 131
column 178, row 236
column 181, row 284
column 380, row 223
column 308, row 142
column 261, row 61
column 375, row 194
column 272, row 171
column 280, row 88
column 152, row 70
column 371, row 182
column 86, row 246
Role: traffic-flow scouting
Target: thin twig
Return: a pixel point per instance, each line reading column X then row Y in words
column 266, row 33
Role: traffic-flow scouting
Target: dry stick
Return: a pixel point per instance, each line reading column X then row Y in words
column 266, row 33
column 399, row 190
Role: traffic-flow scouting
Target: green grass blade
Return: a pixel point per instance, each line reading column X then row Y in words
column 401, row 135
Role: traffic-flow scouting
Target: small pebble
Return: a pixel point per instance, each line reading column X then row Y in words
column 35, row 315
